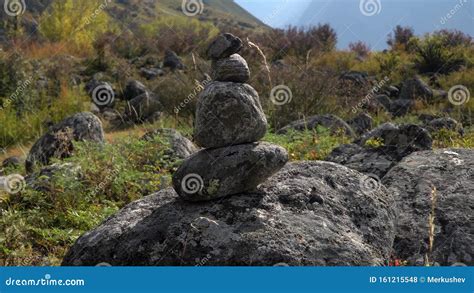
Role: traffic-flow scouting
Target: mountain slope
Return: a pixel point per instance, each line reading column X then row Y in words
column 133, row 13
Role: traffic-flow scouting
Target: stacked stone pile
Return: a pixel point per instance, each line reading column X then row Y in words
column 229, row 123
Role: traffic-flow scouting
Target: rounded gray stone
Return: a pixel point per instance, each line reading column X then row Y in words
column 228, row 114
column 223, row 46
column 215, row 173
column 233, row 68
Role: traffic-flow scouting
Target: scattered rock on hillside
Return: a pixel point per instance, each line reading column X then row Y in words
column 227, row 114
column 144, row 108
column 233, row 68
column 133, row 89
column 102, row 94
column 413, row 180
column 215, row 173
column 384, row 100
column 180, row 146
column 378, row 150
column 12, row 162
column 361, row 123
column 401, row 140
column 360, row 78
column 310, row 213
column 331, row 122
column 363, row 159
column 446, row 123
column 41, row 180
column 151, row 73
column 172, row 61
column 401, row 107
column 415, row 88
column 393, row 91
column 58, row 141
column 224, row 46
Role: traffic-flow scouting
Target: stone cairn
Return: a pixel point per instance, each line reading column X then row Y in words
column 229, row 123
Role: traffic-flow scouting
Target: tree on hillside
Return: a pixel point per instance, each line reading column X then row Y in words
column 76, row 21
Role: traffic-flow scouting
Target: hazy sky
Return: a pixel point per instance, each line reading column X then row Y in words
column 366, row 20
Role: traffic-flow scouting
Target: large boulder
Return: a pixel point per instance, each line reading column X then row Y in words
column 378, row 150
column 179, row 146
column 144, row 108
column 400, row 140
column 228, row 114
column 58, row 141
column 443, row 180
column 310, row 213
column 331, row 122
column 367, row 160
column 215, row 173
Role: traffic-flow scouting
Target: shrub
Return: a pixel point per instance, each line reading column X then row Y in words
column 432, row 55
column 400, row 38
column 360, row 48
column 76, row 21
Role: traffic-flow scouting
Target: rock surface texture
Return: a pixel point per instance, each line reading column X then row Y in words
column 227, row 114
column 378, row 150
column 310, row 213
column 443, row 179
